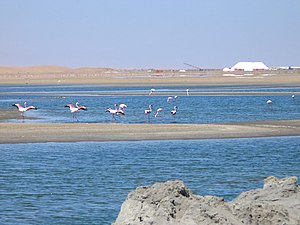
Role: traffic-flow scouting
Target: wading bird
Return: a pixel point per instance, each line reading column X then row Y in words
column 187, row 92
column 158, row 111
column 269, row 103
column 152, row 91
column 24, row 109
column 117, row 111
column 174, row 111
column 74, row 109
column 148, row 111
column 122, row 107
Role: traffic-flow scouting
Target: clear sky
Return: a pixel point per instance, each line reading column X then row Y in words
column 149, row 34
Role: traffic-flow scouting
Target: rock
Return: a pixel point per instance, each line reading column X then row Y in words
column 172, row 203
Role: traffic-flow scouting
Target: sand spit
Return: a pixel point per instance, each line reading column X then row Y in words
column 75, row 132
column 172, row 203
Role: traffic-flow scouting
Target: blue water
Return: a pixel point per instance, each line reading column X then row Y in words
column 51, row 100
column 86, row 183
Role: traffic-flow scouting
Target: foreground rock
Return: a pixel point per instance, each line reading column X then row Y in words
column 172, row 203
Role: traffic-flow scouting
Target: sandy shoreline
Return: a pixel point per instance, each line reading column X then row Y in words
column 61, row 132
column 110, row 77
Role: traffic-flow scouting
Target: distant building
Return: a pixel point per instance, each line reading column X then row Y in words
column 247, row 66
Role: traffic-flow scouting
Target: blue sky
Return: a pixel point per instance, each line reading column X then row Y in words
column 149, row 34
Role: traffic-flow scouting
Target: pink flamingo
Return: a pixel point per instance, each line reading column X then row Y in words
column 115, row 111
column 148, row 111
column 24, row 109
column 122, row 107
column 269, row 102
column 169, row 99
column 152, row 91
column 174, row 111
column 158, row 111
column 112, row 112
column 74, row 109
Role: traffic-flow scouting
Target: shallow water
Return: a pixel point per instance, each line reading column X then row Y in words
column 51, row 100
column 86, row 183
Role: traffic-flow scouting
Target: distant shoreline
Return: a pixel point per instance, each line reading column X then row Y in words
column 106, row 76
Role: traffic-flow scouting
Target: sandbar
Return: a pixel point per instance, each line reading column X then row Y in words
column 86, row 132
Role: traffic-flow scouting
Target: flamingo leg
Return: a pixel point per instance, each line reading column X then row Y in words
column 149, row 118
column 75, row 115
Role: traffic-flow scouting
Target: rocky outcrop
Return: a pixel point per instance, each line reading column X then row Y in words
column 172, row 203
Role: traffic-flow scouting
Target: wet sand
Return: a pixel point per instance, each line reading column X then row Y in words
column 75, row 132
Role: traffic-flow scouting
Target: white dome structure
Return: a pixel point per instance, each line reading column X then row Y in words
column 247, row 66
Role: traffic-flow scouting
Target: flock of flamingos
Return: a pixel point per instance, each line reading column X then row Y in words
column 117, row 110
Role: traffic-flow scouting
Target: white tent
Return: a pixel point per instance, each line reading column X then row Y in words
column 247, row 66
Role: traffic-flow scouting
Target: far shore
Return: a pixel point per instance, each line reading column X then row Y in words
column 46, row 75
column 86, row 132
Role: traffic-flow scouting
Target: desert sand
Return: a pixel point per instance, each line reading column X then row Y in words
column 106, row 76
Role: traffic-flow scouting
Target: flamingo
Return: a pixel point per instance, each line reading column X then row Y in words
column 112, row 112
column 174, row 111
column 122, row 107
column 158, row 111
column 115, row 111
column 24, row 109
column 149, row 111
column 269, row 102
column 152, row 90
column 74, row 109
column 169, row 99
column 175, row 97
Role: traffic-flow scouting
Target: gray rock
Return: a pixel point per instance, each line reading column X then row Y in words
column 172, row 203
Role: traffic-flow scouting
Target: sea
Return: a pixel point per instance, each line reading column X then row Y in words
column 87, row 182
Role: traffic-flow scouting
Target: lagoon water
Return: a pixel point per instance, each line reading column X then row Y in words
column 51, row 99
column 86, row 183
